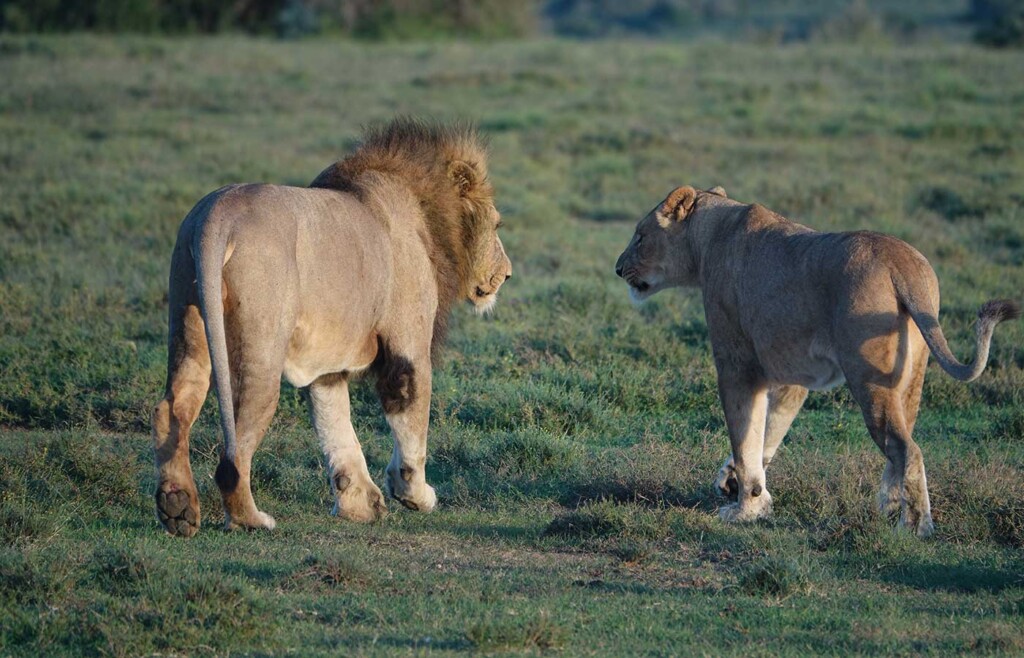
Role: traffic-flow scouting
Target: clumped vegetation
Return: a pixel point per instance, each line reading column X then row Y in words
column 372, row 19
column 1000, row 22
column 574, row 438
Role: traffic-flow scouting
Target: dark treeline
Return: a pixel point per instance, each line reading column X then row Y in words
column 996, row 22
column 376, row 19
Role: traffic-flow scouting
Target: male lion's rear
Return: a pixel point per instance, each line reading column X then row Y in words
column 356, row 273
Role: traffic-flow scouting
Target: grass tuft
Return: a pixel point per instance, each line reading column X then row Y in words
column 607, row 518
column 535, row 632
column 776, row 577
column 123, row 569
column 327, row 573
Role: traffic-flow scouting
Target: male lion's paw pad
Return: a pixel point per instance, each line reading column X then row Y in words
column 176, row 512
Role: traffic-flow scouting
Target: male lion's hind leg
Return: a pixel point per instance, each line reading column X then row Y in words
column 256, row 397
column 188, row 380
column 745, row 414
column 356, row 497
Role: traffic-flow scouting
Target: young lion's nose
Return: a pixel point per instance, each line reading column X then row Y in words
column 618, row 270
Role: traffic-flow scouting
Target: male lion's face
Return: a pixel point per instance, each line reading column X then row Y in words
column 491, row 266
column 656, row 257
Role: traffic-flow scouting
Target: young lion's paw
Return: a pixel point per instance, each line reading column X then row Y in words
column 756, row 508
column 726, row 485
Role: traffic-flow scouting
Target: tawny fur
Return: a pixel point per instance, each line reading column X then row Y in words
column 356, row 273
column 789, row 309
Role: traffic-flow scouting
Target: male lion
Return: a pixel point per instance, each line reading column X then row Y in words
column 357, row 272
column 789, row 309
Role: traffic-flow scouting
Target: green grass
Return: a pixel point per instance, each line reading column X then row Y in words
column 574, row 438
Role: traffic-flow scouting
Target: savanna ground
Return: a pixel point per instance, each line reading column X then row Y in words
column 574, row 438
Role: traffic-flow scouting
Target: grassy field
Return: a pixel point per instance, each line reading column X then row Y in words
column 574, row 438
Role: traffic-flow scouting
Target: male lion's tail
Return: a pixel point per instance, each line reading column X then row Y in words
column 210, row 251
column 924, row 310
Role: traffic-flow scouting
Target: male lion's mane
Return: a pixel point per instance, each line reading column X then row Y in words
column 446, row 169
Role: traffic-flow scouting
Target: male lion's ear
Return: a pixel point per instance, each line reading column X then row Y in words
column 719, row 190
column 463, row 175
column 677, row 206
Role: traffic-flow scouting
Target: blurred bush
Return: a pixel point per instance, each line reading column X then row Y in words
column 374, row 19
column 1000, row 22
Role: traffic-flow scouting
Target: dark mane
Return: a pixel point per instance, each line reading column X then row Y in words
column 422, row 154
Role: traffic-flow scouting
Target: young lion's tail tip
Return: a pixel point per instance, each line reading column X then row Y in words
column 999, row 310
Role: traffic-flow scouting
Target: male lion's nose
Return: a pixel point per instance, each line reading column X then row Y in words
column 618, row 270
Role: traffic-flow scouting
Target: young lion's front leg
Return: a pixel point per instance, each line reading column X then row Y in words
column 746, row 408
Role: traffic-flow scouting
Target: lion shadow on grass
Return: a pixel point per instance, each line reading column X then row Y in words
column 965, row 577
column 640, row 491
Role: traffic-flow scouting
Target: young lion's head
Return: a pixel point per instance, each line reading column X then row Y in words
column 658, row 256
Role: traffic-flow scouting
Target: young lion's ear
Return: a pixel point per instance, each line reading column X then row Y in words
column 719, row 190
column 463, row 175
column 677, row 206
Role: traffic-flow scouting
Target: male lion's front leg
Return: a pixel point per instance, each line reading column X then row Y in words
column 404, row 388
column 746, row 408
column 356, row 497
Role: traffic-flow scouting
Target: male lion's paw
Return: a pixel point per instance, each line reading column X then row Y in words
column 412, row 493
column 258, row 521
column 177, row 511
column 362, row 505
column 426, row 501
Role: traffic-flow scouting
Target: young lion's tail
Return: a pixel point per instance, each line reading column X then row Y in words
column 925, row 314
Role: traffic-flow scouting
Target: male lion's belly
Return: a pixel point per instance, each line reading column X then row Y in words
column 811, row 363
column 315, row 351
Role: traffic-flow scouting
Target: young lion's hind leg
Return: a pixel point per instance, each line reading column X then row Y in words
column 356, row 497
column 904, row 483
column 188, row 380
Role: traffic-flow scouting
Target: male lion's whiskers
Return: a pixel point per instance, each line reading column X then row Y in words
column 487, row 307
